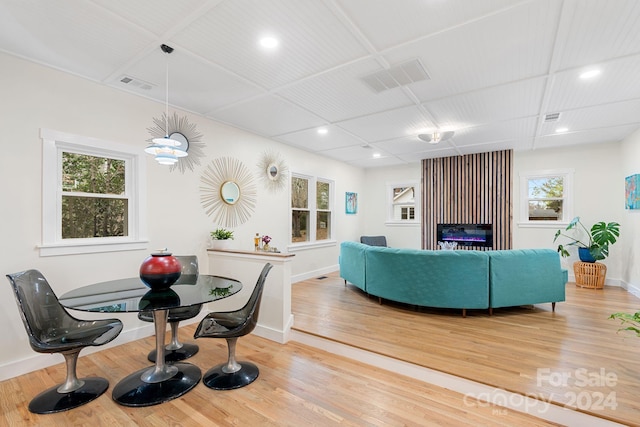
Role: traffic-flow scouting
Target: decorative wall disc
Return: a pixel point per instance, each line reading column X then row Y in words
column 228, row 192
column 179, row 128
column 273, row 171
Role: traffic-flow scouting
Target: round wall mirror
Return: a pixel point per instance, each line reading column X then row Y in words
column 230, row 192
column 272, row 172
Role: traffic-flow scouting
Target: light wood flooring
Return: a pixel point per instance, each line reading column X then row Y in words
column 303, row 385
column 573, row 357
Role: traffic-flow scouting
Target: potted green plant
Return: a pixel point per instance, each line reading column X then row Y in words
column 221, row 238
column 631, row 319
column 595, row 246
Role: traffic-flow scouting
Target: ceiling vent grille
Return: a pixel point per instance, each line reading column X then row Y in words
column 396, row 76
column 132, row 82
column 551, row 117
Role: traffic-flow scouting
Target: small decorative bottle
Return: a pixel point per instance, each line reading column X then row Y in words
column 256, row 241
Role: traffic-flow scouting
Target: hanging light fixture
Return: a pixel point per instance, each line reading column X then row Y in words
column 435, row 137
column 166, row 150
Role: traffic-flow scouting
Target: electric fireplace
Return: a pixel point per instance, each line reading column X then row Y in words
column 480, row 235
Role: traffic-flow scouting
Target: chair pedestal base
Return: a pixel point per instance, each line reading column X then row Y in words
column 134, row 391
column 217, row 379
column 182, row 353
column 51, row 401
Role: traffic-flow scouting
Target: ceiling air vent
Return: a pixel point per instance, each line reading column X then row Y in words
column 132, row 82
column 396, row 76
column 551, row 117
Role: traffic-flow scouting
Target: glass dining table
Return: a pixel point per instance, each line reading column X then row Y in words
column 163, row 381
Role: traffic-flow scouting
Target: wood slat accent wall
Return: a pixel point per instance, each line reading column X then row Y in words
column 475, row 188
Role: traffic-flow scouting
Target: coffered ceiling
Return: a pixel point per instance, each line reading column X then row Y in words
column 373, row 74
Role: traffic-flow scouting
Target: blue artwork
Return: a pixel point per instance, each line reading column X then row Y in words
column 351, row 203
column 631, row 192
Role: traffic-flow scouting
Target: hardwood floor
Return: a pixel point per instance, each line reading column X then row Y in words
column 573, row 357
column 303, row 385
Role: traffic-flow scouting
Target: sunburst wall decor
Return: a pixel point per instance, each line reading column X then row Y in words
column 180, row 129
column 228, row 192
column 273, row 171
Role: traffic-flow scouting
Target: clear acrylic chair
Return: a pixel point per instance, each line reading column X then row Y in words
column 176, row 350
column 52, row 329
column 231, row 325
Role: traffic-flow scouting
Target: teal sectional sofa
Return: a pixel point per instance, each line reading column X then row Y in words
column 455, row 279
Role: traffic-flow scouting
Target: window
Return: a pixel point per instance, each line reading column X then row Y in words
column 546, row 197
column 92, row 195
column 311, row 209
column 403, row 203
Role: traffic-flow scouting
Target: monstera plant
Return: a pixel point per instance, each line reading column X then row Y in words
column 595, row 246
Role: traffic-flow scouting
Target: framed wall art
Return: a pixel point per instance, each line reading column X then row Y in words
column 632, row 192
column 351, row 203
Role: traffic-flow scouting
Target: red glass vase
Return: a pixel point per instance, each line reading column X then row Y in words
column 160, row 270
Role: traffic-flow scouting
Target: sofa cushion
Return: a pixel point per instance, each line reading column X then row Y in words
column 525, row 276
column 451, row 279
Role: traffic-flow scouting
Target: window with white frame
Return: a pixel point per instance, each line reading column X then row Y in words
column 311, row 209
column 93, row 195
column 546, row 197
column 403, row 203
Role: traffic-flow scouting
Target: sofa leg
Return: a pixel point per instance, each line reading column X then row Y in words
column 464, row 312
column 345, row 282
column 553, row 306
column 490, row 311
column 379, row 300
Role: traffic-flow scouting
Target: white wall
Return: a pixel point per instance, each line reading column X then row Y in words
column 630, row 221
column 374, row 205
column 598, row 196
column 35, row 97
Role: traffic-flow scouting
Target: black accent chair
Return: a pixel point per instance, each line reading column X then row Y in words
column 232, row 325
column 175, row 350
column 52, row 329
column 374, row 240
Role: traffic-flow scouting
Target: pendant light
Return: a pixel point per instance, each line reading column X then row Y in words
column 166, row 150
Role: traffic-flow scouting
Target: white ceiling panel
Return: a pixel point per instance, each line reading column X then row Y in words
column 435, row 151
column 399, row 21
column 601, row 116
column 618, row 81
column 599, row 30
column 73, row 36
column 377, row 163
column 511, row 130
column 340, row 93
column 311, row 39
column 191, row 82
column 350, row 154
column 311, row 140
column 388, row 125
column 404, row 145
column 157, row 16
column 267, row 116
column 594, row 136
column 480, row 54
column 494, row 68
column 508, row 101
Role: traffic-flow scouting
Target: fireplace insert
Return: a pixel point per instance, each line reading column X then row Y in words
column 480, row 235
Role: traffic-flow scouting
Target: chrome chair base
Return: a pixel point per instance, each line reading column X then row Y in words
column 51, row 400
column 217, row 379
column 170, row 356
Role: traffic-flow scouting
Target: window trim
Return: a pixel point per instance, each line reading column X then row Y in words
column 416, row 205
column 53, row 144
column 567, row 211
column 313, row 213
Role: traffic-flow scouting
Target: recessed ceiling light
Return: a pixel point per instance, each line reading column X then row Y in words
column 323, row 131
column 376, row 155
column 269, row 42
column 589, row 74
column 562, row 130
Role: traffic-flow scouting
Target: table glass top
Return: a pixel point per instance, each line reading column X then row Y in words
column 132, row 295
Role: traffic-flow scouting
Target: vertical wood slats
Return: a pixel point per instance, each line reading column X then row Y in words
column 470, row 189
